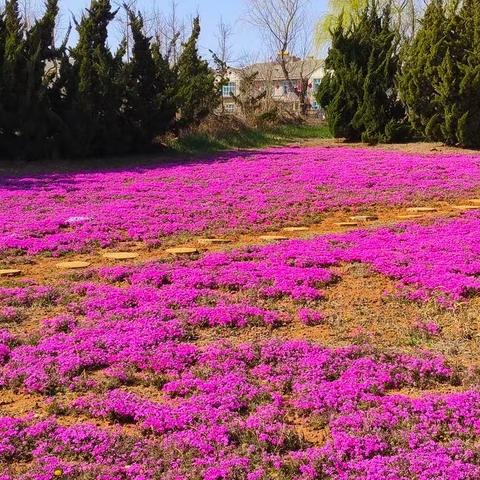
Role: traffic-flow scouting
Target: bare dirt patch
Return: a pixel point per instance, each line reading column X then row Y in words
column 44, row 268
column 410, row 147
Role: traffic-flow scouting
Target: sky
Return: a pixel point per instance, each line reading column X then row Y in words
column 246, row 41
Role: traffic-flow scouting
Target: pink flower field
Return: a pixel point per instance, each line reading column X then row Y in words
column 212, row 368
column 230, row 193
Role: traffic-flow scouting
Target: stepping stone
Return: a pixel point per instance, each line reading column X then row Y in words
column 214, row 241
column 465, row 207
column 10, row 272
column 296, row 229
column 409, row 217
column 120, row 255
column 346, row 224
column 73, row 265
column 181, row 251
column 273, row 238
column 74, row 220
column 422, row 209
column 364, row 218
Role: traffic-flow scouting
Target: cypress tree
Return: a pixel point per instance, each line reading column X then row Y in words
column 468, row 126
column 149, row 87
column 197, row 94
column 26, row 77
column 422, row 66
column 96, row 87
column 340, row 91
column 440, row 83
column 359, row 91
column 13, row 78
column 380, row 115
column 443, row 125
column 2, row 82
column 39, row 125
column 166, row 88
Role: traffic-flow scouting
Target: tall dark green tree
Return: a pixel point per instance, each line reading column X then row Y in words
column 341, row 89
column 468, row 126
column 96, row 87
column 13, row 77
column 440, row 79
column 3, row 32
column 40, row 127
column 425, row 70
column 150, row 101
column 27, row 55
column 197, row 93
column 358, row 91
column 380, row 116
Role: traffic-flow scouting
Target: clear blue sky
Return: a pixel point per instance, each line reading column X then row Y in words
column 233, row 12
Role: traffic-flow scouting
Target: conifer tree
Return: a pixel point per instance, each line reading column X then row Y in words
column 359, row 90
column 39, row 124
column 166, row 85
column 2, row 82
column 420, row 75
column 380, row 116
column 441, row 78
column 149, row 88
column 96, row 88
column 443, row 126
column 197, row 93
column 340, row 91
column 468, row 126
column 13, row 77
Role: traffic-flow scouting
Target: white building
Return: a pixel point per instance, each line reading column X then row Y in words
column 271, row 79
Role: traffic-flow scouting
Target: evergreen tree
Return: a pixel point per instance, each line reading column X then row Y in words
column 39, row 125
column 13, row 77
column 340, row 91
column 96, row 87
column 166, row 85
column 149, row 100
column 2, row 81
column 441, row 76
column 422, row 65
column 25, row 109
column 197, row 94
column 468, row 126
column 443, row 125
column 380, row 116
column 358, row 91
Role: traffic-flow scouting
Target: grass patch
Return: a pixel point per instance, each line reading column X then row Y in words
column 200, row 143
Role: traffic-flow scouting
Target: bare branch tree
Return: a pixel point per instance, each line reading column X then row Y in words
column 122, row 20
column 169, row 31
column 287, row 29
column 222, row 56
column 224, row 50
column 29, row 10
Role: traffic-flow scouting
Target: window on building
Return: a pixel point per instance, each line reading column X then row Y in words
column 315, row 105
column 316, row 83
column 229, row 108
column 286, row 87
column 229, row 89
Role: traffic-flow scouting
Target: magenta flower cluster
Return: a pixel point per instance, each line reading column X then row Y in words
column 126, row 380
column 122, row 315
column 224, row 412
column 232, row 192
